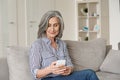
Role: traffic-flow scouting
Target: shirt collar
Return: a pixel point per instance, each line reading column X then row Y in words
column 48, row 41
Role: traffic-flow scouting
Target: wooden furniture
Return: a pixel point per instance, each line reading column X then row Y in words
column 89, row 21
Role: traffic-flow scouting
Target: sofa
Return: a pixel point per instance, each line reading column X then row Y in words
column 94, row 54
column 118, row 45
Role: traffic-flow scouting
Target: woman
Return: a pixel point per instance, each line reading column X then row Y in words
column 49, row 48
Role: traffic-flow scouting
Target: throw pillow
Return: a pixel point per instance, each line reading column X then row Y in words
column 112, row 62
column 87, row 54
column 18, row 63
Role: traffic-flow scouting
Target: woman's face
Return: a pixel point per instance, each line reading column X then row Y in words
column 53, row 27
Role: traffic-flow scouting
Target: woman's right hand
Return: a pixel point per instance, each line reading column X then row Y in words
column 56, row 69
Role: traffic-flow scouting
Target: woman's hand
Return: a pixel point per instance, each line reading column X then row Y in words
column 61, row 69
column 57, row 69
column 67, row 71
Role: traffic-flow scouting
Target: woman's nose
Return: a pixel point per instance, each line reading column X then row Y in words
column 52, row 28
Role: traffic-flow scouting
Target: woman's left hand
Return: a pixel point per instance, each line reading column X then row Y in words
column 67, row 71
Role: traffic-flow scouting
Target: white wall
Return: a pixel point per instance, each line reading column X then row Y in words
column 114, row 17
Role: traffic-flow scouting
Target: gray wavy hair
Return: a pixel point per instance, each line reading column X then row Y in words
column 45, row 21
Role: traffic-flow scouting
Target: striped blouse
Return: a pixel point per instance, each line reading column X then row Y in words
column 42, row 54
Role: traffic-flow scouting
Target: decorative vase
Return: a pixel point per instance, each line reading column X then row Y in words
column 84, row 11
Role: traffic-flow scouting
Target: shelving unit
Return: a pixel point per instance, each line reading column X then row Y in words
column 88, row 13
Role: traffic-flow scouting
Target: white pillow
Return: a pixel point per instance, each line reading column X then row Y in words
column 112, row 62
column 18, row 63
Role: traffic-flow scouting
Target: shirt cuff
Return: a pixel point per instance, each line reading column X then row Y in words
column 35, row 73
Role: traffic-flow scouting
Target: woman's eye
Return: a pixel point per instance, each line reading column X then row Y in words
column 56, row 25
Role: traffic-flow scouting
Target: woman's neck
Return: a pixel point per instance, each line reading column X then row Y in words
column 52, row 40
column 53, row 43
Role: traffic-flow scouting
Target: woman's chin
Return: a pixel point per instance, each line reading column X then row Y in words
column 52, row 36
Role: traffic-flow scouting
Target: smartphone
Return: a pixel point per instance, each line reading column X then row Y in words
column 60, row 62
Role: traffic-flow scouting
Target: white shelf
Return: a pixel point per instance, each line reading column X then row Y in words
column 88, row 17
column 83, row 31
column 87, row 1
column 88, row 31
column 82, row 17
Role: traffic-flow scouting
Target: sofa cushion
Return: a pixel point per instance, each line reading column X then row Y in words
column 17, row 59
column 107, row 76
column 87, row 54
column 4, row 75
column 112, row 62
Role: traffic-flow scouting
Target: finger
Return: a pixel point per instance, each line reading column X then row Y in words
column 66, row 73
column 59, row 69
column 53, row 63
column 59, row 72
column 62, row 67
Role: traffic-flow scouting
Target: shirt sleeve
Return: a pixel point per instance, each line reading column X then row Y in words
column 68, row 59
column 35, row 58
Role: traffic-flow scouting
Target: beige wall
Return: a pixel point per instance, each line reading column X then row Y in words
column 67, row 9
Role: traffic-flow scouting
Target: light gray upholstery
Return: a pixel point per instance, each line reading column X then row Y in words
column 112, row 62
column 108, row 76
column 87, row 55
column 18, row 63
column 4, row 71
column 4, row 75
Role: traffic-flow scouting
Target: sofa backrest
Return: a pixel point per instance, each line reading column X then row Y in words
column 88, row 54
